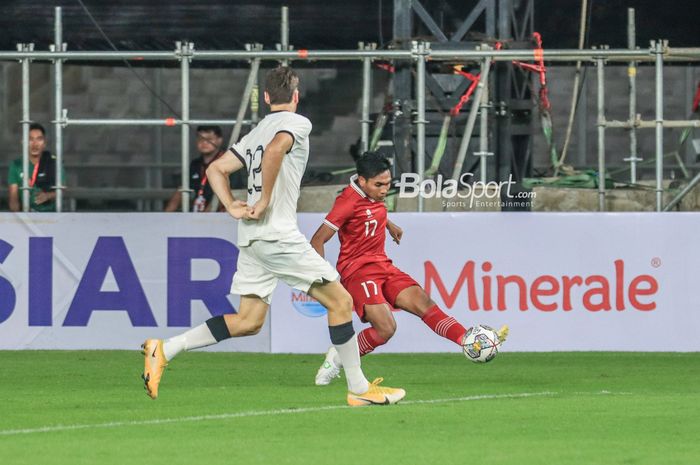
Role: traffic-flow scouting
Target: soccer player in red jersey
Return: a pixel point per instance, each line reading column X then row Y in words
column 359, row 216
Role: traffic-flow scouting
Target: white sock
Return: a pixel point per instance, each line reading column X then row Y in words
column 349, row 354
column 195, row 338
column 336, row 360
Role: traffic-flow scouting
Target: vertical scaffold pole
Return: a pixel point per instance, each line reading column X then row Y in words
column 366, row 96
column 658, row 48
column 471, row 119
column 185, row 51
column 247, row 93
column 420, row 48
column 601, row 133
column 58, row 46
column 284, row 32
column 484, row 131
column 632, row 73
column 25, row 124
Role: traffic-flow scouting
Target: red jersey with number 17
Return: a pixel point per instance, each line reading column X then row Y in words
column 361, row 225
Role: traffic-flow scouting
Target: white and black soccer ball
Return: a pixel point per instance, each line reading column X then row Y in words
column 481, row 344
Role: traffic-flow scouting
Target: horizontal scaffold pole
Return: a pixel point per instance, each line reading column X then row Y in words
column 622, row 55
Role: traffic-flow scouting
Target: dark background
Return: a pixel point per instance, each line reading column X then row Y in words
column 317, row 24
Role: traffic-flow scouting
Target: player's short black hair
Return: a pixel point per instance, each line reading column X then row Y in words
column 371, row 164
column 37, row 127
column 215, row 129
column 280, row 84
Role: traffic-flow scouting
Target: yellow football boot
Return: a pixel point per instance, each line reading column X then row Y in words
column 154, row 365
column 502, row 334
column 376, row 395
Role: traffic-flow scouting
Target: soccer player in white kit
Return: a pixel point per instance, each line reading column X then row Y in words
column 271, row 247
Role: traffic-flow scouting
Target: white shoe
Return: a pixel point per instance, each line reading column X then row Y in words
column 329, row 369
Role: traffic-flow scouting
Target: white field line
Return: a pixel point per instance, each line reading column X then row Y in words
column 259, row 413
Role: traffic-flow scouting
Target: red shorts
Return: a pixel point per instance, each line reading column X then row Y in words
column 376, row 283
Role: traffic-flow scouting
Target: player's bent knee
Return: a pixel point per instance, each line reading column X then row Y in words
column 341, row 303
column 345, row 302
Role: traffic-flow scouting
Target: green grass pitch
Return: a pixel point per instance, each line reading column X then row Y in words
column 88, row 407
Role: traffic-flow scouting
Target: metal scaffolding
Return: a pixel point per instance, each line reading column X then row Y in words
column 411, row 58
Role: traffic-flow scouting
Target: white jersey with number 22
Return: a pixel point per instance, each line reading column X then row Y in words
column 280, row 218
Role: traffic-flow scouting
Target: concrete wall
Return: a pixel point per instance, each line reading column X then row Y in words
column 545, row 199
column 621, row 200
column 331, row 98
column 680, row 84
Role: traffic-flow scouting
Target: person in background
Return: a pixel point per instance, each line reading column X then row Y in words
column 42, row 175
column 209, row 143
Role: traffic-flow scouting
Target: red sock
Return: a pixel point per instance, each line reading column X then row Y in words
column 444, row 325
column 368, row 340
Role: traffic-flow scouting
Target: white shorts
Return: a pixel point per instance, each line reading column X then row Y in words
column 294, row 261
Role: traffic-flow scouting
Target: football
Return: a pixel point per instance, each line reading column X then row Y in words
column 481, row 344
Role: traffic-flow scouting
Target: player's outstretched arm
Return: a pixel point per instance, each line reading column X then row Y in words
column 322, row 235
column 271, row 163
column 395, row 232
column 218, row 176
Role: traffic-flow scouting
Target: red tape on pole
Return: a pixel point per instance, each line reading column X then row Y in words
column 539, row 68
column 538, row 55
column 474, row 78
